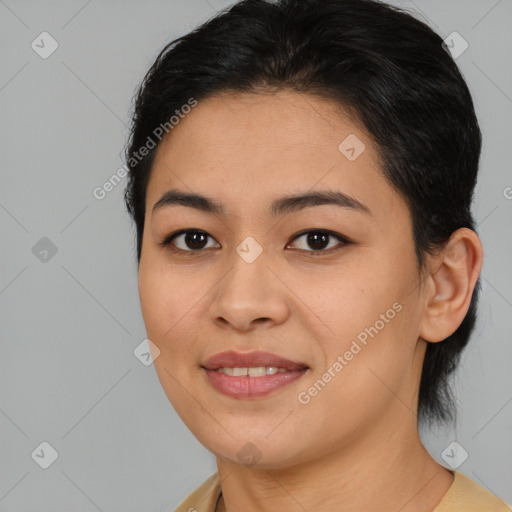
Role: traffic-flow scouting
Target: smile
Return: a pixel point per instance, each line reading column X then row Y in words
column 239, row 383
column 254, row 371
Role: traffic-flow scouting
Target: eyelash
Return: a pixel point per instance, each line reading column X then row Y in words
column 167, row 241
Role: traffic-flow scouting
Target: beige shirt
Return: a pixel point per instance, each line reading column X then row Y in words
column 464, row 495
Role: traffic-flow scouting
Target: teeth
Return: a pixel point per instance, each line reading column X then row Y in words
column 239, row 372
column 256, row 371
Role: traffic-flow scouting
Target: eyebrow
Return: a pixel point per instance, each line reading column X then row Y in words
column 279, row 207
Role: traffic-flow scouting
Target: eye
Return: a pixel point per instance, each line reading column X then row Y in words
column 194, row 240
column 318, row 239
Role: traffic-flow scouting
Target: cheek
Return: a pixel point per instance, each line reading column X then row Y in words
column 167, row 306
column 349, row 302
column 360, row 380
column 373, row 330
column 168, row 301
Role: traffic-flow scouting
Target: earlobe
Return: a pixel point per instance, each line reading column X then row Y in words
column 455, row 272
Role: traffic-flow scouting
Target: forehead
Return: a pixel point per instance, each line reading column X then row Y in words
column 250, row 148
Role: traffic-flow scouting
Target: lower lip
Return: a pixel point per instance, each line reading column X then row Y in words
column 251, row 387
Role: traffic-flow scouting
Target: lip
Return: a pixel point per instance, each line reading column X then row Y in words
column 246, row 387
column 232, row 359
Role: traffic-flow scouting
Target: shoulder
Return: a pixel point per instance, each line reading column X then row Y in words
column 465, row 495
column 204, row 498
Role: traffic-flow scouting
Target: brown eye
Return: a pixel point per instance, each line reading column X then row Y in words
column 188, row 240
column 319, row 240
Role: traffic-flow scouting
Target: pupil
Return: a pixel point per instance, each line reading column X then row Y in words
column 313, row 240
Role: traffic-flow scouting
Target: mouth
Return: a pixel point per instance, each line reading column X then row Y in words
column 251, row 374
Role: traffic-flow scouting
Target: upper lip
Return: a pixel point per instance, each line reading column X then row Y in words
column 232, row 359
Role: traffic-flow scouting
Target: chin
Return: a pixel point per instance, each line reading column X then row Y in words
column 256, row 451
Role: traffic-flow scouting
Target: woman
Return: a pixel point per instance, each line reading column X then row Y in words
column 301, row 177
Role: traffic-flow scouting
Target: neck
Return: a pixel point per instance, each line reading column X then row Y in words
column 386, row 466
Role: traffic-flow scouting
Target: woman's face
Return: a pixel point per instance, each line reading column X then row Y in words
column 261, row 279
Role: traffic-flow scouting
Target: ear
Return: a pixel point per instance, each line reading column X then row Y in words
column 450, row 285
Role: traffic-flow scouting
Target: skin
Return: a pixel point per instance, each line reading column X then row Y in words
column 355, row 445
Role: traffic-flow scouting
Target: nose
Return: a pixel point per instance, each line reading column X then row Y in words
column 250, row 295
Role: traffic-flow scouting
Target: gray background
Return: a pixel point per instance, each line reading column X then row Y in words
column 70, row 323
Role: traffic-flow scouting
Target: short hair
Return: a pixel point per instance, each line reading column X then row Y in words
column 374, row 59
